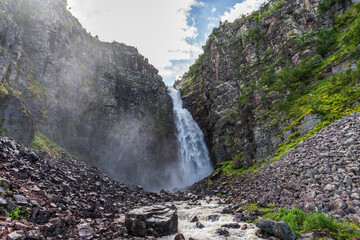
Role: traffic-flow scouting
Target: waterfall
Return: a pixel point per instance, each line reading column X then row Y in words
column 193, row 158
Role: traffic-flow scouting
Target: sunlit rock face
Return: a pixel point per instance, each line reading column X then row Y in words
column 102, row 101
column 226, row 89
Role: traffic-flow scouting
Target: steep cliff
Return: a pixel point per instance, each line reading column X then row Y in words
column 101, row 101
column 274, row 78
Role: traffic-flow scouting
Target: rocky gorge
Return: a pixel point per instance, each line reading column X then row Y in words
column 90, row 136
column 59, row 83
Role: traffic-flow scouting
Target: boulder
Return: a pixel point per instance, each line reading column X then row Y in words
column 280, row 229
column 136, row 227
column 163, row 219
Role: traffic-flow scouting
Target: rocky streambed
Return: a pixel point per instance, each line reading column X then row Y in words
column 207, row 219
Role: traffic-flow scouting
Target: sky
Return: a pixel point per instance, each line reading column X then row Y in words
column 170, row 33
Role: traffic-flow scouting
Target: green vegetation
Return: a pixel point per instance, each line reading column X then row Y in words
column 43, row 143
column 304, row 222
column 262, row 13
column 303, row 89
column 325, row 5
column 228, row 169
column 18, row 213
column 326, row 40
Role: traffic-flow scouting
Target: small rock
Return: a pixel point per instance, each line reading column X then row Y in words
column 231, row 225
column 34, row 235
column 222, row 232
column 3, row 201
column 179, row 236
column 21, row 200
column 213, row 218
column 199, row 225
column 85, row 231
column 244, row 227
column 194, row 219
column 17, row 235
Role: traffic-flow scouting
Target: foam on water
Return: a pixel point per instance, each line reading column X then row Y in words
column 203, row 211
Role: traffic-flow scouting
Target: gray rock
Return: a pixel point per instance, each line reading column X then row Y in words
column 309, row 122
column 17, row 235
column 3, row 201
column 199, row 225
column 21, row 200
column 280, row 229
column 163, row 219
column 85, row 231
column 222, row 232
column 136, row 227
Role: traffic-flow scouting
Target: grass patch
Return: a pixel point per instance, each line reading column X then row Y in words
column 304, row 222
column 44, row 144
column 228, row 169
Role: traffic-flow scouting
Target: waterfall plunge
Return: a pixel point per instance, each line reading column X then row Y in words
column 194, row 161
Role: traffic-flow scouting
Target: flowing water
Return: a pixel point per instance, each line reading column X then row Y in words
column 203, row 210
column 194, row 162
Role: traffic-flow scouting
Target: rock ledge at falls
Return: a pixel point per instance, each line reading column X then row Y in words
column 321, row 173
column 62, row 198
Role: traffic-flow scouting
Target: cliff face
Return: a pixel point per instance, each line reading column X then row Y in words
column 102, row 101
column 273, row 78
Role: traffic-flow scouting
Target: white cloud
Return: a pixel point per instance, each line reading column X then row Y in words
column 158, row 28
column 213, row 10
column 245, row 7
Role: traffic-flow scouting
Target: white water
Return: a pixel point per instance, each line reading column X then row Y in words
column 203, row 211
column 194, row 161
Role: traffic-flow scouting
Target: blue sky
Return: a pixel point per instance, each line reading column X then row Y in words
column 170, row 33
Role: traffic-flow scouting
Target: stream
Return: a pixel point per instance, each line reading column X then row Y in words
column 204, row 209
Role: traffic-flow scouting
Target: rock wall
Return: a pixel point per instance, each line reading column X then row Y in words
column 101, row 101
column 242, row 90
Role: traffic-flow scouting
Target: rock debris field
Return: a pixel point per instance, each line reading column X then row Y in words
column 62, row 198
column 321, row 173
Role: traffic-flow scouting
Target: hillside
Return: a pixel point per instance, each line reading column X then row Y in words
column 271, row 79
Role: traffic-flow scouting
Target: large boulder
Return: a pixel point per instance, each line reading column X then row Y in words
column 278, row 229
column 163, row 219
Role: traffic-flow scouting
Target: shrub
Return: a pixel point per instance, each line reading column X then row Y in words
column 17, row 213
column 326, row 40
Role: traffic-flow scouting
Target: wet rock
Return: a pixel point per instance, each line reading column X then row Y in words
column 231, row 225
column 227, row 210
column 213, row 218
column 152, row 232
column 222, row 232
column 136, row 227
column 199, row 225
column 244, row 227
column 179, row 236
column 193, row 219
column 163, row 219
